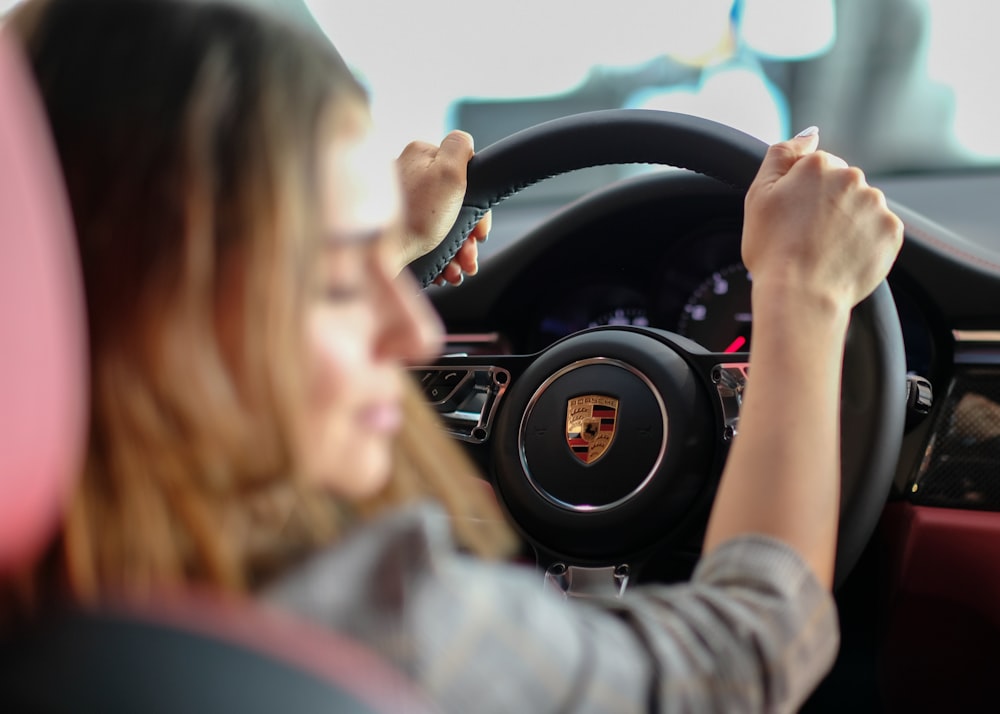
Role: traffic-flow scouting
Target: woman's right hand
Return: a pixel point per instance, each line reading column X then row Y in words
column 815, row 228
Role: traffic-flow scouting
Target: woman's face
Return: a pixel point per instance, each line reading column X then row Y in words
column 363, row 322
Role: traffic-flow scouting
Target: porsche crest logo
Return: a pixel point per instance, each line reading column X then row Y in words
column 590, row 426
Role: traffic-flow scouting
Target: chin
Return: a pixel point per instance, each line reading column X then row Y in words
column 360, row 475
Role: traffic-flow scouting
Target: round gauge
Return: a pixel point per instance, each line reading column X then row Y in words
column 717, row 314
column 621, row 316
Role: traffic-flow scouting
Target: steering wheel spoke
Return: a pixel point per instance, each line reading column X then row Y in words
column 466, row 391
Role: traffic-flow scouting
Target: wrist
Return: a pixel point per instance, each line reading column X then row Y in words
column 407, row 250
column 796, row 304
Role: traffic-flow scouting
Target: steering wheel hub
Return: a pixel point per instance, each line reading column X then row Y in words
column 586, row 450
column 625, row 385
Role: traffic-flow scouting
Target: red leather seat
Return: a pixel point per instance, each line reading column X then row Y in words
column 188, row 654
column 42, row 343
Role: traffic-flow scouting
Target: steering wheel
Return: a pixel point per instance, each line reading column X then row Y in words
column 609, row 443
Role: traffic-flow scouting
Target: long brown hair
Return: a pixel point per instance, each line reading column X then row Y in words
column 187, row 133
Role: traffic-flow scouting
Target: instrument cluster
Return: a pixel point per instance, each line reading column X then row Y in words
column 697, row 287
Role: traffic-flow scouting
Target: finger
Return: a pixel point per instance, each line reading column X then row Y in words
column 833, row 161
column 783, row 155
column 482, row 230
column 452, row 273
column 467, row 257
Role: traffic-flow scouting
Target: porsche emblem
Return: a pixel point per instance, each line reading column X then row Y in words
column 590, row 426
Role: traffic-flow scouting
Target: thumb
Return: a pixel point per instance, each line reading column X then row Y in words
column 782, row 156
column 458, row 145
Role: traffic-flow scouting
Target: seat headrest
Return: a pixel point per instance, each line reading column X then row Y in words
column 43, row 388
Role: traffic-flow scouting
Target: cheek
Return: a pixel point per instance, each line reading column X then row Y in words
column 340, row 453
column 337, row 356
column 336, row 364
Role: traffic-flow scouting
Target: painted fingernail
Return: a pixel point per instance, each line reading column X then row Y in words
column 808, row 131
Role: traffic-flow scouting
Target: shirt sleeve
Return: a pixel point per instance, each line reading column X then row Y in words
column 753, row 630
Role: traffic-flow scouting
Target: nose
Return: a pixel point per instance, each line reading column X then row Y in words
column 410, row 329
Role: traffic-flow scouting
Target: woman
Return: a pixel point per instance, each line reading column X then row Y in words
column 239, row 248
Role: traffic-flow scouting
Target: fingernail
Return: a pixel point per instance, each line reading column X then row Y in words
column 461, row 279
column 808, row 131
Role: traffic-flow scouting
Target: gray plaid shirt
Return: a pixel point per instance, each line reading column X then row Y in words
column 752, row 631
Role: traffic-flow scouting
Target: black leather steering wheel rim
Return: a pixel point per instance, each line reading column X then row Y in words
column 614, row 136
column 873, row 399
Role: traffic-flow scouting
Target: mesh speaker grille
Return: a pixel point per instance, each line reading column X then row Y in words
column 961, row 467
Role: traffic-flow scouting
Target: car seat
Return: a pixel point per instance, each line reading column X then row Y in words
column 196, row 653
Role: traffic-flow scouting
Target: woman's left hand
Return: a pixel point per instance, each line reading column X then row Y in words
column 433, row 180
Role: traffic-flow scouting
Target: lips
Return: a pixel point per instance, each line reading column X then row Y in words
column 382, row 417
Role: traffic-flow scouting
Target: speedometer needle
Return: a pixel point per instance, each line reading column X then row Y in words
column 736, row 344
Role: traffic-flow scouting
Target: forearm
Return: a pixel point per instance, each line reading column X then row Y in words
column 782, row 477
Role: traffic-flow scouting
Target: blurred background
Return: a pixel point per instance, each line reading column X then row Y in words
column 898, row 87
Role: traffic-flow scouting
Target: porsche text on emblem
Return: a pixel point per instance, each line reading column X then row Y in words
column 590, row 426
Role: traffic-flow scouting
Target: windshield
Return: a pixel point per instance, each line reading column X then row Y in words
column 895, row 85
